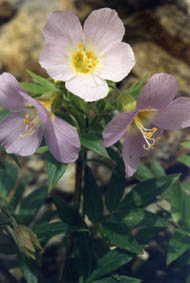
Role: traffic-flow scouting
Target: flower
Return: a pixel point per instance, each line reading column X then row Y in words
column 85, row 58
column 21, row 132
column 155, row 111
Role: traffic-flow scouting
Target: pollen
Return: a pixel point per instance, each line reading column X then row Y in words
column 146, row 133
column 30, row 126
column 84, row 61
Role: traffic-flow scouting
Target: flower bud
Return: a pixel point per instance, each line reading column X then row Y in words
column 126, row 103
column 26, row 240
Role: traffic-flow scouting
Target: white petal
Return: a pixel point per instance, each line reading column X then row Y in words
column 103, row 28
column 117, row 62
column 89, row 87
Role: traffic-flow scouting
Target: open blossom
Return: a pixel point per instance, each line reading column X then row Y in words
column 21, row 132
column 155, row 111
column 85, row 57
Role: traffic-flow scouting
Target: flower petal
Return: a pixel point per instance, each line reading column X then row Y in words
column 11, row 129
column 103, row 28
column 10, row 89
column 116, row 129
column 62, row 140
column 63, row 24
column 88, row 87
column 117, row 62
column 158, row 92
column 132, row 151
column 175, row 116
column 56, row 62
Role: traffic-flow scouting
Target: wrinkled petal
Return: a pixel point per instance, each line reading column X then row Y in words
column 88, row 87
column 63, row 24
column 11, row 129
column 62, row 140
column 117, row 62
column 10, row 92
column 132, row 151
column 103, row 28
column 175, row 116
column 56, row 61
column 116, row 129
column 158, row 92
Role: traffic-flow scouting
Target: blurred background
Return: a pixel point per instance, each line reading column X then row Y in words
column 157, row 30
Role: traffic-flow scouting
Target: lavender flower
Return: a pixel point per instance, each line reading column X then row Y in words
column 85, row 58
column 155, row 111
column 21, row 132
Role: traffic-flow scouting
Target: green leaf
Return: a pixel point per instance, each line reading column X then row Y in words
column 113, row 260
column 119, row 235
column 7, row 245
column 42, row 149
column 19, row 191
column 185, row 159
column 115, row 189
column 186, row 144
column 94, row 143
column 29, row 269
column 55, row 170
column 178, row 244
column 42, row 82
column 93, row 205
column 146, row 192
column 157, row 169
column 68, row 214
column 31, row 204
column 118, row 279
column 4, row 113
column 135, row 89
column 143, row 172
column 180, row 202
column 34, row 88
column 46, row 231
column 8, row 178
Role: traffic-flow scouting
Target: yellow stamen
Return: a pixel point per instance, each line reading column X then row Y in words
column 147, row 134
column 30, row 126
column 84, row 61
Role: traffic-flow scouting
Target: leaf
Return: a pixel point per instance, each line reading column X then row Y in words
column 157, row 169
column 29, row 269
column 68, row 214
column 7, row 245
column 93, row 205
column 180, row 202
column 46, row 231
column 118, row 279
column 146, row 192
column 34, row 88
column 178, row 244
column 31, row 204
column 143, row 172
column 185, row 159
column 119, row 235
column 115, row 189
column 42, row 149
column 19, row 191
column 113, row 260
column 55, row 170
column 8, row 178
column 94, row 143
column 42, row 82
column 186, row 144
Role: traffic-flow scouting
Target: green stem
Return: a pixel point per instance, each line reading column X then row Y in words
column 78, row 181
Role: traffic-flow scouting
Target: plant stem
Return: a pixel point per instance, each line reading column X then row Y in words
column 78, row 181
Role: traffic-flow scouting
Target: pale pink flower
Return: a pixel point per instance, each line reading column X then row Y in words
column 21, row 132
column 86, row 57
column 155, row 111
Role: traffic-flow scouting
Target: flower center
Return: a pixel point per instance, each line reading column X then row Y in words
column 147, row 133
column 84, row 61
column 29, row 125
